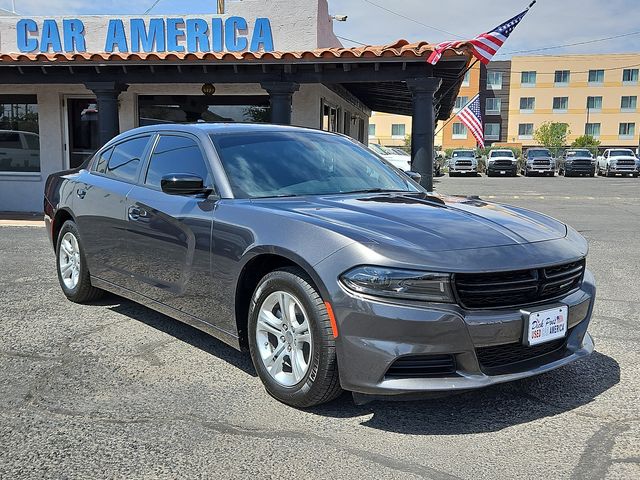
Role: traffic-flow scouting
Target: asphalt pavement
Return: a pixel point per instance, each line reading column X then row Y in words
column 115, row 390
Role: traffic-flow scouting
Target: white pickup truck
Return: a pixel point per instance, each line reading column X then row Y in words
column 616, row 161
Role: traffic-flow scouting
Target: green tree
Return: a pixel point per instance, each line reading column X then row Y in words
column 552, row 135
column 585, row 141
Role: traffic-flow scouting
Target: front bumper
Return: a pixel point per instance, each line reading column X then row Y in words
column 623, row 170
column 373, row 335
column 580, row 169
column 508, row 169
column 463, row 169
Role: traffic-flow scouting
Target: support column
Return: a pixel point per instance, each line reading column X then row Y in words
column 281, row 98
column 423, row 124
column 107, row 96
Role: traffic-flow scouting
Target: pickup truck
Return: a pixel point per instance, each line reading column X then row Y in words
column 502, row 162
column 19, row 151
column 463, row 162
column 577, row 161
column 539, row 161
column 616, row 161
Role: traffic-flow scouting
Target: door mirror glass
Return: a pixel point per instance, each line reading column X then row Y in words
column 183, row 184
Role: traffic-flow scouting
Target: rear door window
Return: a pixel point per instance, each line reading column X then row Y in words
column 176, row 154
column 126, row 159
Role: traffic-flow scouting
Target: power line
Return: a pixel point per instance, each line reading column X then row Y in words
column 586, row 42
column 352, row 41
column 411, row 19
column 152, row 7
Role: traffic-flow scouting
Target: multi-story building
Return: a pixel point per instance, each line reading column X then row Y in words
column 495, row 82
column 455, row 134
column 392, row 130
column 595, row 95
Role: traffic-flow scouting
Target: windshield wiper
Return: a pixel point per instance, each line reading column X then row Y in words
column 377, row 190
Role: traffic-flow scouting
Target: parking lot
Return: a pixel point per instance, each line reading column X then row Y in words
column 115, row 390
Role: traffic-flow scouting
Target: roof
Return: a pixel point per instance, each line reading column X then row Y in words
column 400, row 49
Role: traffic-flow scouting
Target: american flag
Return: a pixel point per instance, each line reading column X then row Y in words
column 470, row 115
column 485, row 45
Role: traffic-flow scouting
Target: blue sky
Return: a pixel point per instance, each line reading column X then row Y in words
column 550, row 22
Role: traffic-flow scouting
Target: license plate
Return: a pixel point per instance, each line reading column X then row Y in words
column 547, row 325
column 503, row 172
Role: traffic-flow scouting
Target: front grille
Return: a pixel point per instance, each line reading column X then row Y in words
column 625, row 163
column 503, row 163
column 581, row 163
column 541, row 163
column 463, row 163
column 422, row 366
column 505, row 358
column 519, row 287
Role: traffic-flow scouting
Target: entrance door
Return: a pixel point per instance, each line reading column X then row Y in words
column 82, row 130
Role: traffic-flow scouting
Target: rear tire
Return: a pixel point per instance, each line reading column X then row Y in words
column 71, row 264
column 294, row 352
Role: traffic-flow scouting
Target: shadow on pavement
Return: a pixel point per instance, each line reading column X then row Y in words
column 180, row 331
column 490, row 409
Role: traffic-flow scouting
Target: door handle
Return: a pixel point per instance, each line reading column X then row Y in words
column 81, row 192
column 136, row 212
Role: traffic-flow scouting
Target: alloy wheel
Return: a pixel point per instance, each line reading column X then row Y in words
column 69, row 260
column 284, row 339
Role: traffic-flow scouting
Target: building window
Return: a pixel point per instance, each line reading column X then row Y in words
column 527, row 104
column 592, row 129
column 627, row 130
column 629, row 103
column 594, row 103
column 372, row 129
column 630, row 76
column 560, row 104
column 460, row 103
column 19, row 134
column 330, row 117
column 528, row 79
column 596, row 77
column 494, row 80
column 525, row 131
column 459, row 131
column 492, row 131
column 467, row 79
column 493, row 106
column 561, row 78
column 398, row 130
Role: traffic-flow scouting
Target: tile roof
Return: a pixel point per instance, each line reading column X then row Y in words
column 399, row 49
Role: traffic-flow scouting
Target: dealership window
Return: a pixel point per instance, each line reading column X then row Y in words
column 525, row 131
column 330, row 121
column 494, row 80
column 467, row 79
column 629, row 103
column 398, row 130
column 627, row 130
column 592, row 129
column 460, row 103
column 159, row 109
column 527, row 104
column 19, row 134
column 594, row 103
column 459, row 131
column 493, row 106
column 492, row 131
column 173, row 150
column 596, row 77
column 560, row 104
column 528, row 79
column 630, row 76
column 372, row 129
column 561, row 78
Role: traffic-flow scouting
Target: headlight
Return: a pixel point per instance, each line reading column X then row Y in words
column 395, row 283
column 492, row 160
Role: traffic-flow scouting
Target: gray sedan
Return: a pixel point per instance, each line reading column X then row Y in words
column 332, row 268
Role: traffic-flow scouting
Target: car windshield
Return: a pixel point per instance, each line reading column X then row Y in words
column 501, row 153
column 578, row 153
column 621, row 153
column 286, row 164
column 380, row 150
column 464, row 154
column 538, row 153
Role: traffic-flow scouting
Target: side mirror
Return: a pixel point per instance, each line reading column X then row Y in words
column 415, row 176
column 182, row 184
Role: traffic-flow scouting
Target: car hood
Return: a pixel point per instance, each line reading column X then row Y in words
column 623, row 157
column 423, row 221
column 502, row 158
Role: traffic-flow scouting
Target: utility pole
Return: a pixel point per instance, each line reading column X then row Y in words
column 220, row 7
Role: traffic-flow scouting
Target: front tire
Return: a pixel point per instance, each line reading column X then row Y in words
column 71, row 264
column 291, row 340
